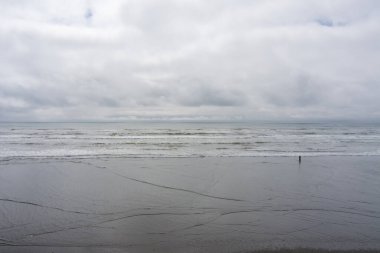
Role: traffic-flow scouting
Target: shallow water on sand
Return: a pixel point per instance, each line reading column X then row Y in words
column 212, row 204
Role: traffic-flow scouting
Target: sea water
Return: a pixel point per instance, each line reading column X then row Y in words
column 187, row 139
column 188, row 186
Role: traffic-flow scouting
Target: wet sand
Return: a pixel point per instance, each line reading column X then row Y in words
column 189, row 204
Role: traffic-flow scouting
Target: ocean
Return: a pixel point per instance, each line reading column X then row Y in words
column 191, row 139
column 189, row 187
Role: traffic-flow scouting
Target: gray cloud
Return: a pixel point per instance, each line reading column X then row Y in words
column 78, row 60
column 204, row 96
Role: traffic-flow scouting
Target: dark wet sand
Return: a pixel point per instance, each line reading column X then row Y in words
column 190, row 204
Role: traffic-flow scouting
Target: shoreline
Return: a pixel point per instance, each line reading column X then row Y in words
column 107, row 156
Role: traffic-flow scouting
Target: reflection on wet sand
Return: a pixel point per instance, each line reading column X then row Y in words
column 189, row 204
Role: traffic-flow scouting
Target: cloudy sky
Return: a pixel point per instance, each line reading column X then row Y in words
column 169, row 59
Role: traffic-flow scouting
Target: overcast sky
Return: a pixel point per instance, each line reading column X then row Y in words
column 203, row 59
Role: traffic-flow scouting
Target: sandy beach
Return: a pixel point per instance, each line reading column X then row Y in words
column 217, row 204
